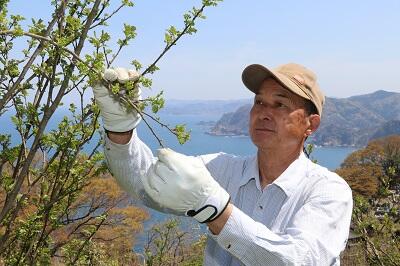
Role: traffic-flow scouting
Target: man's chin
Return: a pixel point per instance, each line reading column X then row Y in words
column 262, row 143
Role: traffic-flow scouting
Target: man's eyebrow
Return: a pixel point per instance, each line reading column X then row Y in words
column 282, row 95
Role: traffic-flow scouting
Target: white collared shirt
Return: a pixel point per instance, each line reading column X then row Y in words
column 302, row 218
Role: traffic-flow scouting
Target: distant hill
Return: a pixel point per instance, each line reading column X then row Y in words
column 349, row 121
column 234, row 123
column 204, row 107
column 384, row 103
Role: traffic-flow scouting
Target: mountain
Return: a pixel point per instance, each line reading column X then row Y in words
column 349, row 121
column 203, row 107
column 389, row 128
column 234, row 123
column 383, row 103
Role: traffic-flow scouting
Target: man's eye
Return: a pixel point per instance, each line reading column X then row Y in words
column 281, row 105
column 257, row 102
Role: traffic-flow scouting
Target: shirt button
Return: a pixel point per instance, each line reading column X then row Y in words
column 261, row 207
column 229, row 246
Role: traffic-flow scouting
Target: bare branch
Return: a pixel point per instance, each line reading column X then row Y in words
column 124, row 99
column 107, row 17
column 183, row 32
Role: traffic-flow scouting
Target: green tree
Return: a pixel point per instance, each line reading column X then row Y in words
column 53, row 205
column 373, row 174
column 167, row 244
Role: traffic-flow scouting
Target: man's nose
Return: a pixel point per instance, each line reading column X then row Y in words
column 265, row 112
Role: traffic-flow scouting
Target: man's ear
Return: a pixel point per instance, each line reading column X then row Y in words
column 314, row 121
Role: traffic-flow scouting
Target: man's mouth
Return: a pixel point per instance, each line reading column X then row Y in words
column 264, row 129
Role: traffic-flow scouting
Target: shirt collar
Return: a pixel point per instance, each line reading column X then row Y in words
column 288, row 181
column 290, row 178
column 250, row 171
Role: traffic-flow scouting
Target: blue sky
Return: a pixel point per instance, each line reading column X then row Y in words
column 353, row 46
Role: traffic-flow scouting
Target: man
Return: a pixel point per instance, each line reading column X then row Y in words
column 274, row 208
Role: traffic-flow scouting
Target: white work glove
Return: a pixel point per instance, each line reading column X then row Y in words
column 115, row 116
column 183, row 184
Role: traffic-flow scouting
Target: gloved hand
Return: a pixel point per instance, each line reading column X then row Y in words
column 115, row 116
column 183, row 184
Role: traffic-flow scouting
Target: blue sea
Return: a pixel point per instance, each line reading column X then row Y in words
column 199, row 143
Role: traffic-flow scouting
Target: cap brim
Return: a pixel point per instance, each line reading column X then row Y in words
column 254, row 75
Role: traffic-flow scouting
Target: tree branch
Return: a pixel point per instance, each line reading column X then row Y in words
column 184, row 31
column 12, row 91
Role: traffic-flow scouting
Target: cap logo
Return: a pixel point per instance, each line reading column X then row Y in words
column 299, row 79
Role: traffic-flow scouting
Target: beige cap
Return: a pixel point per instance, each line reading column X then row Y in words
column 294, row 77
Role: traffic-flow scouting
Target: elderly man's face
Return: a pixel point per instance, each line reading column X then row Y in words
column 278, row 119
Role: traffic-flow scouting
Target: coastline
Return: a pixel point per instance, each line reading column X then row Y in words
column 233, row 135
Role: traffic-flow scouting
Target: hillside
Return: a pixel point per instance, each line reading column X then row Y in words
column 349, row 121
